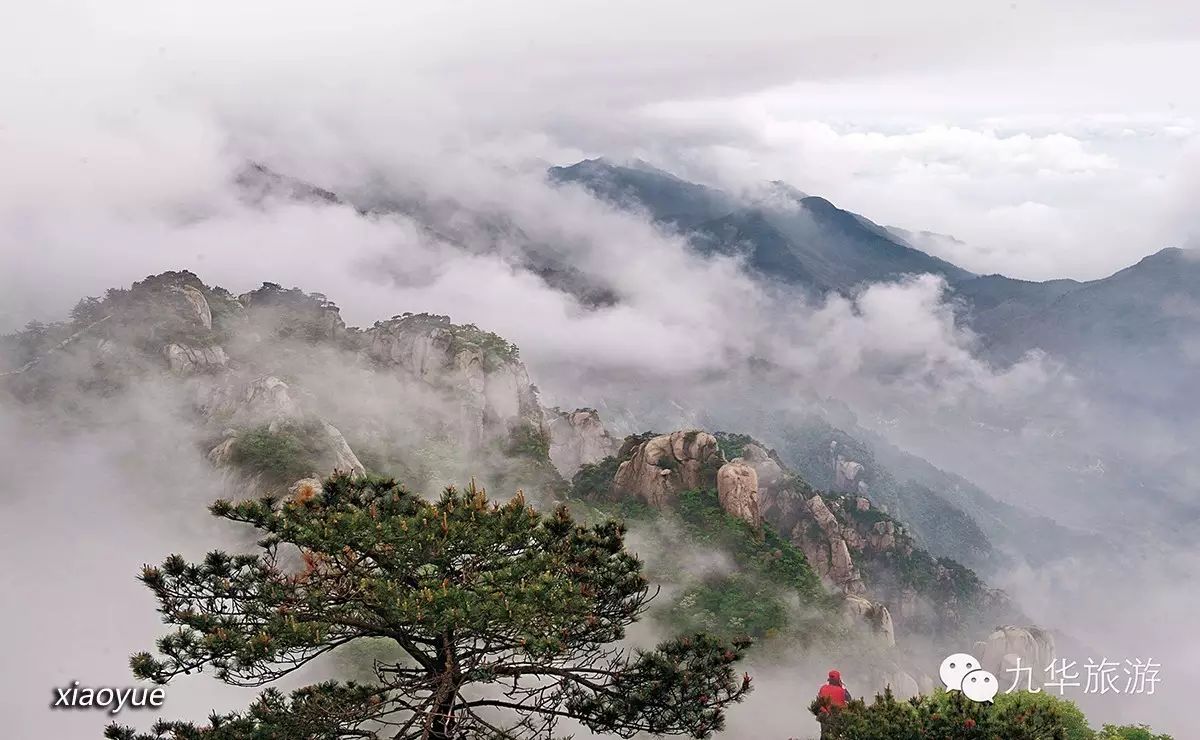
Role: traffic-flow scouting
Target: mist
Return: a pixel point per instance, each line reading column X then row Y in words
column 123, row 131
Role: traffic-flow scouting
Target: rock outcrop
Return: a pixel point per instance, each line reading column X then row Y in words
column 1005, row 646
column 902, row 684
column 657, row 469
column 263, row 399
column 268, row 401
column 344, row 458
column 478, row 371
column 766, row 465
column 186, row 360
column 874, row 615
column 577, row 438
column 292, row 313
column 823, row 540
column 335, row 452
column 846, row 473
column 200, row 309
column 737, row 491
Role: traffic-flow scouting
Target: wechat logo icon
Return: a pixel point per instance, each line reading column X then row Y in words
column 961, row 672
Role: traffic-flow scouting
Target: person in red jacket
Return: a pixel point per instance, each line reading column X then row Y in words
column 834, row 691
column 837, row 695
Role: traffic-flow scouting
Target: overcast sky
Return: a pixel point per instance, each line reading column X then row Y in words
column 1052, row 139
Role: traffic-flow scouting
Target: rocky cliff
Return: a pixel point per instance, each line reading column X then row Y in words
column 860, row 553
column 656, row 468
column 282, row 392
column 577, row 438
column 280, row 385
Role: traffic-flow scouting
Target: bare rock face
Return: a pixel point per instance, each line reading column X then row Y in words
column 662, row 466
column 737, row 491
column 845, row 474
column 425, row 352
column 882, row 536
column 874, row 615
column 185, row 360
column 766, row 466
column 344, row 458
column 902, row 683
column 478, row 370
column 577, row 438
column 197, row 303
column 263, row 399
column 1002, row 649
column 824, row 542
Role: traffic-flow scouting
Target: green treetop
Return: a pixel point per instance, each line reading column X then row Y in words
column 507, row 621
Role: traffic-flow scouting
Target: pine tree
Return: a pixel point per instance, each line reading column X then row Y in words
column 508, row 621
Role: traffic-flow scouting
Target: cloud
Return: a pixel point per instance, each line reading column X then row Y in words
column 123, row 125
column 1056, row 200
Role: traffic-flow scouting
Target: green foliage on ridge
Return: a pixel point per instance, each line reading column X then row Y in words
column 730, row 606
column 283, row 454
column 732, row 444
column 759, row 549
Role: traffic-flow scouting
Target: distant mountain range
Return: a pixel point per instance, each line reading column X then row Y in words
column 1107, row 330
column 1132, row 339
column 781, row 233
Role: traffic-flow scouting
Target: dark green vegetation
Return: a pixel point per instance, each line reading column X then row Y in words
column 594, row 481
column 282, row 453
column 950, row 716
column 770, row 570
column 730, row 606
column 761, row 550
column 732, row 444
column 752, row 600
column 506, row 618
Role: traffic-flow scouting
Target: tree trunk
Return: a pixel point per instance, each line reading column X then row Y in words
column 441, row 722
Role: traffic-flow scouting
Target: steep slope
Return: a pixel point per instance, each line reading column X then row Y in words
column 280, row 391
column 1113, row 330
column 854, row 548
column 947, row 514
column 665, row 197
column 280, row 388
column 782, row 233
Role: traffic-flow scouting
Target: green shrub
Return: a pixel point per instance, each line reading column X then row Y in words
column 595, row 480
column 732, row 444
column 291, row 451
column 951, row 716
column 529, row 440
column 1129, row 732
column 732, row 606
column 761, row 549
